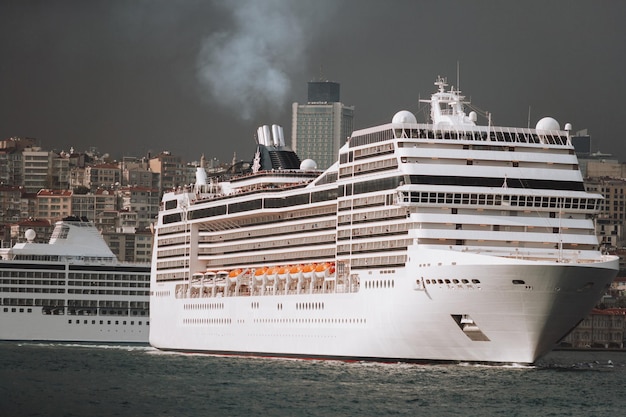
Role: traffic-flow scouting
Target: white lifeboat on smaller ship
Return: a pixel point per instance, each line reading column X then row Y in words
column 221, row 277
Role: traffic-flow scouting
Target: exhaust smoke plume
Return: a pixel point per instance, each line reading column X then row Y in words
column 247, row 69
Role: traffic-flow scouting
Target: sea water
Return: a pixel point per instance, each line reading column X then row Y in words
column 38, row 379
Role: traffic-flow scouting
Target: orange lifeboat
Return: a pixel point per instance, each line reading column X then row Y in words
column 283, row 272
column 325, row 270
column 260, row 273
column 272, row 273
column 234, row 274
column 308, row 270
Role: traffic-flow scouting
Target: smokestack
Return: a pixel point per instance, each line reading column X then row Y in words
column 276, row 135
column 267, row 134
column 281, row 135
column 260, row 136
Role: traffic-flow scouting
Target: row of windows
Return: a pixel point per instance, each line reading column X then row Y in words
column 453, row 281
column 289, row 201
column 500, row 200
column 109, row 322
column 309, row 306
column 204, row 306
column 31, row 302
column 313, row 321
column 107, row 292
column 496, row 134
column 37, row 290
column 109, row 284
column 528, row 183
column 387, row 283
column 390, row 183
column 15, row 281
column 208, row 321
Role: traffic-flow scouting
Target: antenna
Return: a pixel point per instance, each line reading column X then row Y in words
column 458, row 76
column 528, row 126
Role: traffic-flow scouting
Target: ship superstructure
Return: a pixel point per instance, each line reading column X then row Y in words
column 72, row 289
column 446, row 241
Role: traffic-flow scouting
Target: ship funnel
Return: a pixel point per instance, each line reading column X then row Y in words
column 282, row 135
column 276, row 134
column 201, row 183
column 260, row 136
column 267, row 135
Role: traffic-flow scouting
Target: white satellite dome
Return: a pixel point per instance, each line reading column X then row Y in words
column 30, row 235
column 308, row 165
column 548, row 123
column 404, row 116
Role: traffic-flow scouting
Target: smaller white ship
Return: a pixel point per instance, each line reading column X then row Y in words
column 72, row 289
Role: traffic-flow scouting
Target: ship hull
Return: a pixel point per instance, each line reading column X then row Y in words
column 31, row 324
column 509, row 311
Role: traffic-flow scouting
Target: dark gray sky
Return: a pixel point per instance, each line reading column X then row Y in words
column 198, row 76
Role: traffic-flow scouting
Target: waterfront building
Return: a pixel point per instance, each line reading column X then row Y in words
column 601, row 329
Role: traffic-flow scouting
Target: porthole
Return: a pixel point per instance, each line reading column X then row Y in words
column 518, row 282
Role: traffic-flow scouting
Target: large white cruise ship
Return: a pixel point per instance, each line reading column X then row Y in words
column 72, row 289
column 446, row 241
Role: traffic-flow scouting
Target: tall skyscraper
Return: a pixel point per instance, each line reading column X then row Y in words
column 320, row 127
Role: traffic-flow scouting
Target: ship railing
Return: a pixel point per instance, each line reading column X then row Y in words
column 529, row 255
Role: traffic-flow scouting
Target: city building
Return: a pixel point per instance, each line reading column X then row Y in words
column 36, row 166
column 10, row 203
column 54, row 205
column 90, row 205
column 102, row 176
column 610, row 221
column 322, row 125
column 143, row 201
column 171, row 170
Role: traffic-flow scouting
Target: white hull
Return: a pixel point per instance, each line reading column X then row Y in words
column 447, row 241
column 397, row 321
column 21, row 325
